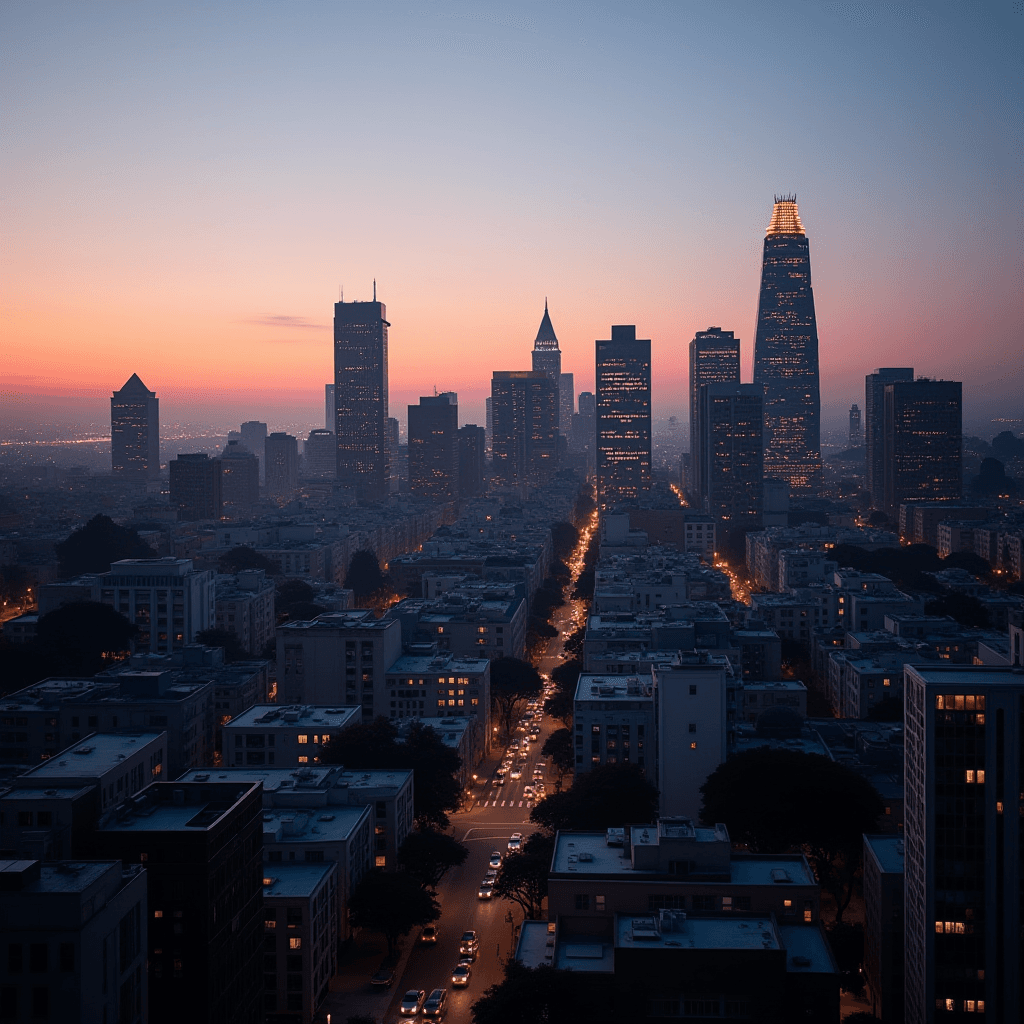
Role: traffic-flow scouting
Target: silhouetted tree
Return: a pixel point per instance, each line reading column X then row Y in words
column 364, row 577
column 392, row 903
column 609, row 796
column 564, row 537
column 531, row 995
column 100, row 542
column 559, row 747
column 240, row 558
column 428, row 855
column 513, row 684
column 523, row 876
column 233, row 649
column 965, row 608
column 888, row 710
column 84, row 637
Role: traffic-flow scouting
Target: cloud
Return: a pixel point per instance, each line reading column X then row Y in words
column 285, row 321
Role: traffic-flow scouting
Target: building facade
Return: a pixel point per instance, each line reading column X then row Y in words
column 729, row 463
column 320, row 455
column 472, row 460
column 874, row 427
column 282, row 462
column 434, row 447
column 135, row 431
column 196, row 487
column 524, row 411
column 547, row 358
column 254, row 437
column 714, row 359
column 786, row 353
column 240, row 479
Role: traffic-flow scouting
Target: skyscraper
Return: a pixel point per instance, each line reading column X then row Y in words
column 282, row 458
column 922, row 442
column 471, row 460
column 874, row 433
column 856, row 438
column 623, row 389
column 320, row 455
column 135, row 431
column 196, row 486
column 786, row 353
column 254, row 437
column 240, row 478
column 714, row 359
column 361, row 396
column 434, row 447
column 523, row 411
column 584, row 427
column 566, row 399
column 964, row 843
column 547, row 357
column 730, row 450
column 330, row 413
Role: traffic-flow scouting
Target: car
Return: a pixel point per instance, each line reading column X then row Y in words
column 385, row 977
column 460, row 975
column 436, row 1003
column 429, row 934
column 491, row 875
column 466, row 961
column 538, row 773
column 469, row 943
column 527, row 790
column 495, row 861
column 486, row 890
column 532, row 738
column 514, row 745
column 515, row 841
column 411, row 1002
column 499, row 780
column 516, row 773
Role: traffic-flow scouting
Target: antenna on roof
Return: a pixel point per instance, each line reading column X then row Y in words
column 341, row 293
column 375, row 289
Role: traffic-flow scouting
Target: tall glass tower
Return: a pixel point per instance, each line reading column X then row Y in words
column 547, row 358
column 786, row 353
column 135, row 431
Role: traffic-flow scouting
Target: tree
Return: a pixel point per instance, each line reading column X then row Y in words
column 84, row 636
column 100, row 542
column 523, row 876
column 294, row 601
column 564, row 537
column 365, row 579
column 560, row 706
column 428, row 855
column 240, row 558
column 778, row 800
column 965, row 608
column 392, row 903
column 530, row 995
column 609, row 796
column 233, row 649
column 559, row 747
column 513, row 684
column 847, row 942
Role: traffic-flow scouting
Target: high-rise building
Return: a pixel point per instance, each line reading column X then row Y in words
column 786, row 353
column 623, row 419
column 282, row 459
column 196, row 486
column 488, row 423
column 254, row 437
column 361, row 396
column 856, row 439
column 240, row 478
column 566, row 399
column 547, row 357
column 394, row 457
column 874, row 421
column 523, row 411
column 135, row 431
column 471, row 460
column 434, row 447
column 922, row 442
column 330, row 412
column 964, row 852
column 729, row 450
column 320, row 455
column 584, row 428
column 714, row 359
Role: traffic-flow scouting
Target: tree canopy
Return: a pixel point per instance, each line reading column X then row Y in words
column 233, row 649
column 608, row 796
column 392, row 903
column 564, row 537
column 559, row 747
column 429, row 854
column 523, row 876
column 565, row 678
column 513, row 684
column 94, row 546
column 365, row 579
column 240, row 558
column 778, row 800
column 965, row 608
column 531, row 995
column 435, row 766
column 84, row 636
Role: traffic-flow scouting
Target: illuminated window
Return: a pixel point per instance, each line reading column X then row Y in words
column 295, row 943
column 158, row 913
column 303, row 759
column 808, row 916
column 474, row 701
column 787, row 903
column 303, row 738
column 316, row 740
column 440, row 703
column 325, row 738
column 693, row 746
column 451, row 703
column 380, row 861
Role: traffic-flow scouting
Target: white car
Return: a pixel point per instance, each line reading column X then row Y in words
column 515, row 841
column 527, row 790
column 486, row 890
column 495, row 861
column 516, row 773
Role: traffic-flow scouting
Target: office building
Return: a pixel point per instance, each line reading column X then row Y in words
column 566, row 400
column 245, row 607
column 283, row 736
column 922, row 442
column 320, row 455
column 135, row 431
column 714, row 359
column 874, row 427
column 584, row 428
column 856, row 437
column 488, row 423
column 623, row 418
column 282, row 460
column 434, row 447
column 786, row 353
column 361, row 396
column 239, row 479
column 74, row 939
column 472, row 460
column 524, row 408
column 729, row 461
column 254, row 437
column 196, row 487
column 964, row 843
column 398, row 463
column 547, row 358
column 330, row 412
column 201, row 846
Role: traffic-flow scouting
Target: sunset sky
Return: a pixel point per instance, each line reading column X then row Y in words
column 186, row 186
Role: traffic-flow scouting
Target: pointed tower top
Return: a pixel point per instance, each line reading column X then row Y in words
column 785, row 217
column 546, row 338
column 375, row 289
column 134, row 386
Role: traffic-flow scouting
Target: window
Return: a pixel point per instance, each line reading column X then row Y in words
column 303, row 738
column 693, row 746
column 704, row 903
column 295, row 942
column 67, row 957
column 693, row 689
column 693, row 727
column 14, row 958
column 582, row 901
column 599, row 903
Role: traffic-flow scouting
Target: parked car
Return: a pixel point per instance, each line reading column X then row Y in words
column 436, row 1003
column 460, row 975
column 411, row 1002
column 429, row 934
column 515, row 841
column 385, row 977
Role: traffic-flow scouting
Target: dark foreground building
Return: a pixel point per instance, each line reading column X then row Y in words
column 786, row 353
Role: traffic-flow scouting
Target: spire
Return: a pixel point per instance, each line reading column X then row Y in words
column 134, row 386
column 546, row 338
column 786, row 217
column 375, row 289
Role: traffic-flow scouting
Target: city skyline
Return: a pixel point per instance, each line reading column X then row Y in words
column 136, row 254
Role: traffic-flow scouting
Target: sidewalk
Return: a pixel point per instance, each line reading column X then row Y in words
column 350, row 992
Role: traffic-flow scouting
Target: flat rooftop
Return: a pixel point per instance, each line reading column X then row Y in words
column 889, row 850
column 38, row 793
column 532, row 947
column 807, row 950
column 341, row 620
column 98, row 753
column 412, row 664
column 966, row 675
column 642, row 931
column 69, row 876
column 291, row 716
column 159, row 808
column 332, row 824
column 604, row 687
column 294, row 881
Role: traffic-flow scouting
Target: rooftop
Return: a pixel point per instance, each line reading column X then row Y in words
column 294, row 881
column 594, row 686
column 285, row 716
column 319, row 825
column 536, row 944
column 178, row 807
column 964, row 675
column 91, row 757
column 358, row 619
column 676, row 929
column 60, row 877
column 807, row 951
column 889, row 852
column 444, row 662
